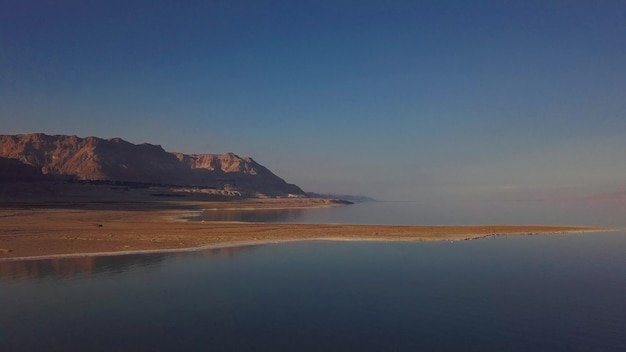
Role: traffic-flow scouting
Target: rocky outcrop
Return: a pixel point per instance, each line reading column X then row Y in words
column 115, row 159
column 243, row 173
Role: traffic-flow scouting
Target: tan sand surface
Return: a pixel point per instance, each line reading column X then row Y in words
column 127, row 227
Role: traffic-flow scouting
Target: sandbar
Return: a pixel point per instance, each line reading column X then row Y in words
column 46, row 231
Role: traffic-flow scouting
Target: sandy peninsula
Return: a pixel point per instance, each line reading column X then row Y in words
column 71, row 229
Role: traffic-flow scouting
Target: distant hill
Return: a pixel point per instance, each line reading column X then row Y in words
column 115, row 159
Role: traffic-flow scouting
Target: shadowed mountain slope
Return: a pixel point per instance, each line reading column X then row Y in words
column 15, row 170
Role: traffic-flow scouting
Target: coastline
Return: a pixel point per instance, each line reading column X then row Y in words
column 56, row 232
column 233, row 244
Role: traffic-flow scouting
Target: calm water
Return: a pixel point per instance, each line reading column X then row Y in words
column 440, row 213
column 528, row 293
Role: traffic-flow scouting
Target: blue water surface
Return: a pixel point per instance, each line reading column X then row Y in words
column 437, row 213
column 518, row 293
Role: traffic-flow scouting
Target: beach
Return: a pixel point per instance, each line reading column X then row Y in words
column 77, row 229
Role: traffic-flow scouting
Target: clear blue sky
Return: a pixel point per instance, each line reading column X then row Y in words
column 394, row 99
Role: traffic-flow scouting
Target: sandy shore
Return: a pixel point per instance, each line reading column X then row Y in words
column 53, row 231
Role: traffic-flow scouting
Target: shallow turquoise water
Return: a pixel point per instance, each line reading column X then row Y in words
column 540, row 293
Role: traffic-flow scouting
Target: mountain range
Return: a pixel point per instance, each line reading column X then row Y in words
column 37, row 156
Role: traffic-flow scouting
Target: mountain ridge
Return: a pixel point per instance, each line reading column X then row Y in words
column 115, row 159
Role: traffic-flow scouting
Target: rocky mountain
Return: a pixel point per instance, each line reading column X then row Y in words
column 115, row 159
column 244, row 172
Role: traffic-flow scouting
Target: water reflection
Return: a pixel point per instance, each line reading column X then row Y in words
column 257, row 215
column 65, row 268
column 437, row 213
column 546, row 293
column 73, row 267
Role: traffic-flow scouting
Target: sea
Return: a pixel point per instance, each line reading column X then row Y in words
column 510, row 293
column 457, row 212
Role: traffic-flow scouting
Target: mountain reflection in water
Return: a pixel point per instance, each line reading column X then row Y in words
column 72, row 267
column 518, row 293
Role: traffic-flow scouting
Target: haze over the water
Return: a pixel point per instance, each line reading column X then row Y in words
column 399, row 100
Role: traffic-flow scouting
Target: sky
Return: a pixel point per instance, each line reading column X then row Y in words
column 398, row 100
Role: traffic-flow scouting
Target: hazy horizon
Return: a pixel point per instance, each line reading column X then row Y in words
column 428, row 101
